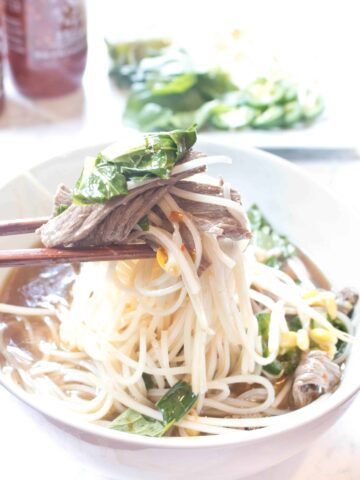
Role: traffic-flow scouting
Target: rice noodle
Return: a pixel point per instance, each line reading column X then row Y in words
column 131, row 318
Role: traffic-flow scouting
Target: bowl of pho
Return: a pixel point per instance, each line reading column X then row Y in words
column 226, row 349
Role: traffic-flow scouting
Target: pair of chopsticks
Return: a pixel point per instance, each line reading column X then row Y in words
column 46, row 256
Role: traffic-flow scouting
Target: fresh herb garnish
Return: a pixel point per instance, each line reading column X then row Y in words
column 144, row 225
column 340, row 344
column 168, row 90
column 294, row 323
column 148, row 380
column 99, row 181
column 60, row 209
column 103, row 178
column 264, row 237
column 134, row 422
column 177, row 402
column 174, row 405
column 285, row 363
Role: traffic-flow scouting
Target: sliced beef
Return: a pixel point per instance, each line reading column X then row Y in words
column 206, row 189
column 117, row 226
column 346, row 300
column 315, row 375
column 77, row 223
column 209, row 218
column 62, row 197
column 113, row 222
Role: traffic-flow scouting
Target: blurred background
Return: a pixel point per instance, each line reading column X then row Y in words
column 310, row 46
column 314, row 44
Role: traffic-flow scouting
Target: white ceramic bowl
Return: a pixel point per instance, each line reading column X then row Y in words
column 295, row 205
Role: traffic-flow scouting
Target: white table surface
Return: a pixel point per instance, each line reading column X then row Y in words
column 33, row 131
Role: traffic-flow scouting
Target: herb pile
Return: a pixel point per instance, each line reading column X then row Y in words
column 168, row 91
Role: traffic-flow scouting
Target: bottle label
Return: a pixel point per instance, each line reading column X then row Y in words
column 46, row 30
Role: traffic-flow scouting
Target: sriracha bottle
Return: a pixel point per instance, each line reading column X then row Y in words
column 46, row 45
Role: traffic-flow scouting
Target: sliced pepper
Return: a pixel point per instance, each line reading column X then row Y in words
column 234, row 119
column 271, row 117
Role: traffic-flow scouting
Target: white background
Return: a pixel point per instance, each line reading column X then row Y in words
column 317, row 41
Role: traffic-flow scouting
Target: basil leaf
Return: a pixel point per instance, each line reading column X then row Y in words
column 264, row 237
column 99, row 181
column 151, row 117
column 176, row 84
column 103, row 178
column 215, row 83
column 134, row 422
column 173, row 405
column 176, row 402
column 157, row 155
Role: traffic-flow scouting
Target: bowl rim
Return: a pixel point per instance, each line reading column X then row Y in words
column 289, row 422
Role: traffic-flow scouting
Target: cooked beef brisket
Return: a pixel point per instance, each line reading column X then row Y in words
column 315, row 375
column 112, row 222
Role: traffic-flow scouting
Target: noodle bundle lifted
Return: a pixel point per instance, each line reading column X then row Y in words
column 228, row 328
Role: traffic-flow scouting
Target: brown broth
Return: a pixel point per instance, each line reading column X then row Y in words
column 33, row 286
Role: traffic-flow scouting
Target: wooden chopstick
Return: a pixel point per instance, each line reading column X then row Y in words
column 20, row 226
column 49, row 256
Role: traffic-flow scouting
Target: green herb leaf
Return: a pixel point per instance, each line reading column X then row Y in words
column 173, row 405
column 152, row 117
column 267, row 239
column 263, row 319
column 173, row 85
column 274, row 368
column 340, row 344
column 290, row 360
column 285, row 363
column 199, row 117
column 99, row 181
column 144, row 225
column 157, row 155
column 60, row 209
column 134, row 422
column 133, row 52
column 148, row 380
column 177, row 402
column 294, row 323
column 215, row 83
column 103, row 178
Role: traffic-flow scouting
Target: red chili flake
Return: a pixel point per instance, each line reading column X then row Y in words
column 176, row 216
